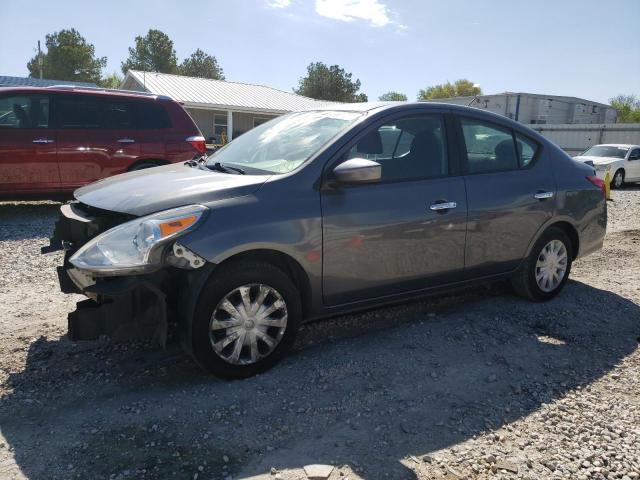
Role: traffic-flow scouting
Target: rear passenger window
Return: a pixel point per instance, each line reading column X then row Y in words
column 78, row 112
column 489, row 147
column 151, row 115
column 118, row 115
column 24, row 111
column 527, row 150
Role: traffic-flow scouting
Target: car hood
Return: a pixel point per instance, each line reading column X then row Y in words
column 159, row 188
column 597, row 160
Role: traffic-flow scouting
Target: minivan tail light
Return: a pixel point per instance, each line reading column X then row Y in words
column 598, row 182
column 198, row 143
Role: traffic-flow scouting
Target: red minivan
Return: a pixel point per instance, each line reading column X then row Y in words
column 56, row 139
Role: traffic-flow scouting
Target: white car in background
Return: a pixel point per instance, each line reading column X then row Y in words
column 621, row 161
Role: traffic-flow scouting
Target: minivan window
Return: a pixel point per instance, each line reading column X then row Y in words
column 150, row 115
column 78, row 111
column 407, row 148
column 283, row 144
column 489, row 147
column 117, row 115
column 24, row 111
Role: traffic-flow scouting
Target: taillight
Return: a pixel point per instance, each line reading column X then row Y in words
column 198, row 143
column 598, row 182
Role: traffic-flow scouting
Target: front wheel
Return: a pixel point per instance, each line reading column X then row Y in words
column 546, row 270
column 618, row 179
column 246, row 318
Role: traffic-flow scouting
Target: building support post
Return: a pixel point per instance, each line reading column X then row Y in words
column 229, row 125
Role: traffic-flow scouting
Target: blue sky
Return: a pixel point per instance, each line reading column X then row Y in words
column 583, row 48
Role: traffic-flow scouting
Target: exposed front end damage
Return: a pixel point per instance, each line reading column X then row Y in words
column 127, row 307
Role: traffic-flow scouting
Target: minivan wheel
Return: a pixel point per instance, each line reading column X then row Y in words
column 618, row 179
column 545, row 272
column 246, row 318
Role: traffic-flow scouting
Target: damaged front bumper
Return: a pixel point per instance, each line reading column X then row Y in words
column 122, row 307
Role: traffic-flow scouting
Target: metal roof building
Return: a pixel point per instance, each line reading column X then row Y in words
column 533, row 108
column 221, row 109
column 6, row 81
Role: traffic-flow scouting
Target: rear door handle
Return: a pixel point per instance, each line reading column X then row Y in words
column 439, row 206
column 543, row 195
column 42, row 140
column 126, row 140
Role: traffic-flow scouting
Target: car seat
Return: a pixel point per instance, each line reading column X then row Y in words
column 21, row 116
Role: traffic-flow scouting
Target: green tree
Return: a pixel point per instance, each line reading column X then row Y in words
column 628, row 107
column 330, row 83
column 111, row 81
column 152, row 53
column 392, row 97
column 68, row 57
column 202, row 65
column 461, row 88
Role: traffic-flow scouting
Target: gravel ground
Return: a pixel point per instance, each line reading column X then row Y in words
column 480, row 384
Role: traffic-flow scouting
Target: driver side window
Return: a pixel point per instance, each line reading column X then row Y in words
column 409, row 148
column 24, row 111
column 635, row 154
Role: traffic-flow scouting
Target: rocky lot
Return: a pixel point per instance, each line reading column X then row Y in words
column 479, row 384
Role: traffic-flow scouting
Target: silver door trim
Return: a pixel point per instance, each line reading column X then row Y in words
column 443, row 206
column 543, row 195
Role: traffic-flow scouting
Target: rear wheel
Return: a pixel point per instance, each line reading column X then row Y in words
column 618, row 179
column 246, row 319
column 546, row 270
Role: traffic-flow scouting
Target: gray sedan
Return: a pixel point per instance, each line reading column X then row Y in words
column 319, row 213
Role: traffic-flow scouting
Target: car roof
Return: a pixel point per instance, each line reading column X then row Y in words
column 370, row 106
column 375, row 107
column 620, row 145
column 84, row 90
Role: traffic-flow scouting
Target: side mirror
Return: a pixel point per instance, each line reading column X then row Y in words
column 358, row 170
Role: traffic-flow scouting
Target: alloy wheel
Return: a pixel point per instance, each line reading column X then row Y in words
column 617, row 180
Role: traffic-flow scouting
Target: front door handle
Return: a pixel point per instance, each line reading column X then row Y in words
column 42, row 140
column 126, row 140
column 543, row 195
column 440, row 206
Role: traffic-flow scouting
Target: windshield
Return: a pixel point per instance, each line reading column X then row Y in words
column 606, row 151
column 283, row 144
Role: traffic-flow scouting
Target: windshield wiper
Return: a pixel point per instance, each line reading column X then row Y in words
column 225, row 168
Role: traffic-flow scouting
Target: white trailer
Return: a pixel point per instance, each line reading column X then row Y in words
column 575, row 139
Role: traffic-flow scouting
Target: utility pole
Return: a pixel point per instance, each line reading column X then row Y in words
column 144, row 69
column 40, row 61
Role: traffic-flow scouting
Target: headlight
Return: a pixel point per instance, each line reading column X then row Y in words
column 133, row 246
column 602, row 168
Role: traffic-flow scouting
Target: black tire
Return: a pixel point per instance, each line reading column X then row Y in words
column 143, row 165
column 524, row 281
column 225, row 280
column 614, row 182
